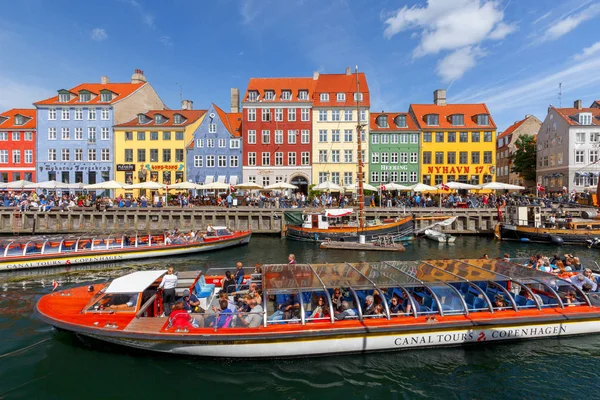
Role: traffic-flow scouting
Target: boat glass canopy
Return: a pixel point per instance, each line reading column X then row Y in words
column 135, row 282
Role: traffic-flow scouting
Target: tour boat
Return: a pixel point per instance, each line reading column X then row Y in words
column 438, row 236
column 525, row 224
column 442, row 303
column 336, row 225
column 34, row 252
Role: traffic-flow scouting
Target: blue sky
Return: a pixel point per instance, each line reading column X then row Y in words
column 510, row 54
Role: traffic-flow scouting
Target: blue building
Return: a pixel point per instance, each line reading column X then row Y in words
column 215, row 153
column 75, row 141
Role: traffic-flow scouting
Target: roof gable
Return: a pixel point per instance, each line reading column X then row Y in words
column 119, row 91
column 190, row 116
column 470, row 111
column 391, row 118
column 570, row 115
column 278, row 86
column 7, row 119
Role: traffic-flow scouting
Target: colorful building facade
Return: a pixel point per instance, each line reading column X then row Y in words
column 152, row 146
column 458, row 142
column 393, row 148
column 75, row 141
column 277, row 131
column 17, row 145
column 335, row 118
column 214, row 153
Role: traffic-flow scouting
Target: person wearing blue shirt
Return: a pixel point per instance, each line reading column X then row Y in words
column 190, row 301
column 239, row 273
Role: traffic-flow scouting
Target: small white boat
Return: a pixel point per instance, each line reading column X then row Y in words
column 439, row 236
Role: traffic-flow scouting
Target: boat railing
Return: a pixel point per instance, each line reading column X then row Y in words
column 145, row 306
column 234, row 320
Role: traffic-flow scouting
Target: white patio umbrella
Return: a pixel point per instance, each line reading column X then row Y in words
column 499, row 186
column 366, row 186
column 46, row 185
column 146, row 185
column 328, row 186
column 421, row 187
column 184, row 185
column 215, row 186
column 457, row 185
column 3, row 185
column 248, row 186
column 392, row 186
column 280, row 186
column 18, row 184
column 76, row 185
column 106, row 185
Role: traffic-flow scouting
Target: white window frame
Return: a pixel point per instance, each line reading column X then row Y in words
column 324, row 97
column 52, row 114
column 198, row 161
column 251, row 136
column 235, row 143
column 292, row 133
column 212, row 128
column 252, row 158
column 91, row 114
column 92, row 155
column 222, row 143
column 105, row 155
column 78, row 114
column 65, row 133
column 104, row 133
column 305, row 114
column 234, row 161
column 210, row 161
column 291, row 158
column 252, row 114
column 305, row 136
column 291, row 112
column 105, row 114
column 28, row 156
column 65, row 114
column 78, row 134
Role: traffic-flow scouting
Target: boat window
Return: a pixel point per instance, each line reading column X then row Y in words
column 117, row 302
column 449, row 301
column 223, row 232
column 286, row 307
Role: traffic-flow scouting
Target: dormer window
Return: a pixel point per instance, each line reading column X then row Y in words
column 64, row 97
column 143, row 119
column 159, row 119
column 382, row 121
column 457, row 119
column 432, row 119
column 178, row 119
column 252, row 95
column 358, row 96
column 303, row 95
column 483, row 119
column 269, row 95
column 106, row 97
column 286, row 95
column 400, row 121
column 19, row 120
column 324, row 97
column 84, row 97
column 341, row 97
column 585, row 118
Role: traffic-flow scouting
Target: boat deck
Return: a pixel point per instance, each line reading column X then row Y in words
column 146, row 325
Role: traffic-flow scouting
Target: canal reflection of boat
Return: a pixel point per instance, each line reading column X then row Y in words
column 34, row 252
column 526, row 224
column 417, row 304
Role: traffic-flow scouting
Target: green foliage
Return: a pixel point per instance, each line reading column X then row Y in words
column 524, row 158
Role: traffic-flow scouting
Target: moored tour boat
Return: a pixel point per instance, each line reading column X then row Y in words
column 417, row 304
column 34, row 252
column 438, row 236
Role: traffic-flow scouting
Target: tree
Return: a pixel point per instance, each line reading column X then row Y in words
column 524, row 158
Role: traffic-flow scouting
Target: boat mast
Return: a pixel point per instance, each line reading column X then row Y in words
column 361, row 196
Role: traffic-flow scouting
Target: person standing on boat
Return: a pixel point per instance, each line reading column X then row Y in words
column 239, row 274
column 168, row 284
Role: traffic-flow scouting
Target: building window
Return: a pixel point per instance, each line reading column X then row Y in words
column 487, row 157
column 266, row 137
column 105, row 134
column 52, row 114
column 222, row 161
column 235, row 143
column 394, row 157
column 414, row 138
column 16, row 136
column 457, row 119
column 385, row 158
column 335, row 115
column 51, row 155
column 324, row 97
column 358, row 97
column 141, row 155
column 178, row 119
column 363, row 114
column 252, row 158
column 475, row 137
column 64, row 97
column 252, row 136
column 348, row 156
column 210, row 143
column 291, row 114
column 291, row 158
column 65, row 155
column 580, row 137
column 305, row 136
column 579, row 156
column 16, row 156
column 279, row 114
column 179, row 135
column 212, row 128
column 414, row 157
column 451, row 137
column 463, row 157
column 303, row 95
column 166, row 135
column 292, row 136
column 427, row 179
column 198, row 161
column 128, row 155
column 305, row 114
column 91, row 154
column 251, row 114
column 487, row 136
column 340, row 97
column 483, row 119
column 279, row 136
column 335, row 135
column 266, row 114
column 78, row 114
column 266, row 181
column 451, row 156
column 427, row 137
column 375, row 158
column 28, row 156
column 266, row 158
column 65, row 115
column 105, row 155
column 413, row 176
column 400, row 121
column 439, row 137
column 347, row 115
column 166, row 156
column 432, row 119
column 438, row 179
column 322, row 115
column 210, row 161
column 4, row 135
column 322, row 156
column 178, row 155
column 305, row 158
column 335, row 156
column 286, row 95
column 222, row 143
column 269, row 95
column 323, row 177
column 474, row 180
column 474, row 157
column 426, row 157
column 335, row 178
column 348, row 135
column 385, row 138
column 374, row 138
column 253, row 95
column 278, row 158
column 464, row 137
column 4, row 156
column 153, row 155
column 439, row 157
column 104, row 114
column 348, row 178
column 374, row 176
column 65, row 134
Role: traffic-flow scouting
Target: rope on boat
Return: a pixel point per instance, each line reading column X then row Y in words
column 23, row 348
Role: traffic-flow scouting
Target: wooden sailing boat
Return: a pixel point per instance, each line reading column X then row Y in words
column 335, row 224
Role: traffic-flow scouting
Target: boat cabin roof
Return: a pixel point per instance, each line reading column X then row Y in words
column 367, row 275
column 135, row 282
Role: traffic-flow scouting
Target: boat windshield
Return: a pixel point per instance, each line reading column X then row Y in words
column 118, row 302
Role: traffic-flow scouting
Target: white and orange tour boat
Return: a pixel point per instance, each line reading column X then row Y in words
column 35, row 252
column 418, row 304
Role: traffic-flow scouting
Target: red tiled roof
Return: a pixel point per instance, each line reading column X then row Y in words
column 232, row 121
column 341, row 83
column 511, row 128
column 470, row 111
column 570, row 114
column 122, row 90
column 278, row 85
column 595, row 104
column 410, row 122
column 190, row 116
column 7, row 119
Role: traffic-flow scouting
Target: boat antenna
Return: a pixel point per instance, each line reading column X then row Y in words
column 361, row 195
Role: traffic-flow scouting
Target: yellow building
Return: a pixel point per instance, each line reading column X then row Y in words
column 458, row 142
column 152, row 147
column 334, row 149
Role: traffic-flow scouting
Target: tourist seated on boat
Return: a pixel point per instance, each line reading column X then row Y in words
column 190, row 301
column 321, row 310
column 369, row 307
column 228, row 283
column 581, row 280
column 120, row 301
column 168, row 240
column 379, row 311
column 178, row 240
column 288, row 308
column 337, row 300
column 500, row 302
column 570, row 300
column 588, row 274
column 346, row 312
column 396, row 305
column 530, row 302
column 242, row 303
column 254, row 318
column 180, row 319
column 224, row 315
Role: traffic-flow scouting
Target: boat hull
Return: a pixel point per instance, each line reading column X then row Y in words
column 547, row 235
column 120, row 254
column 403, row 229
column 439, row 237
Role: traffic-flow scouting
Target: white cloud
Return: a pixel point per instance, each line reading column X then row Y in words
column 543, row 17
column 459, row 26
column 99, row 34
column 571, row 22
column 588, row 52
column 166, row 41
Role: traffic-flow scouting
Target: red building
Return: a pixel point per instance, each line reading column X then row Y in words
column 277, row 131
column 17, row 145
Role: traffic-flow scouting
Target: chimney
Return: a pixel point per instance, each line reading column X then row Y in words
column 104, row 80
column 439, row 97
column 187, row 105
column 138, row 76
column 235, row 100
column 577, row 104
column 348, row 71
column 315, row 75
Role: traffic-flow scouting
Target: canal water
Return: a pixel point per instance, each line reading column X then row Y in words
column 38, row 362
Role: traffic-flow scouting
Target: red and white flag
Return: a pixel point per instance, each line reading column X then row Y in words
column 540, row 188
column 382, row 188
column 444, row 187
column 231, row 188
column 54, row 285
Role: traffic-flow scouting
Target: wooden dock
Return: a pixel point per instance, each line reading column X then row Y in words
column 361, row 246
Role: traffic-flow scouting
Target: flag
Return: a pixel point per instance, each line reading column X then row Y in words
column 231, row 188
column 444, row 187
column 382, row 188
column 540, row 188
column 54, row 285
